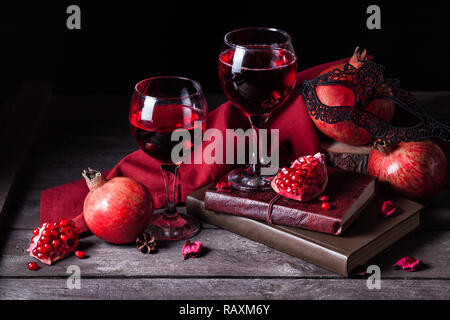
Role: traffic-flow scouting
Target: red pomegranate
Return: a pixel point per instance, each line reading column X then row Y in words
column 337, row 96
column 53, row 241
column 416, row 170
column 116, row 210
column 306, row 179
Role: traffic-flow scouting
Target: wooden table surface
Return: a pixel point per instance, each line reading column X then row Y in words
column 92, row 130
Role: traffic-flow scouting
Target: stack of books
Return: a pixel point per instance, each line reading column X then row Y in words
column 341, row 239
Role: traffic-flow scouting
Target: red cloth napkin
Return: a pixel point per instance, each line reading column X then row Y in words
column 297, row 137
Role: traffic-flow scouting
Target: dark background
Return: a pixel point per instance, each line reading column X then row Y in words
column 122, row 42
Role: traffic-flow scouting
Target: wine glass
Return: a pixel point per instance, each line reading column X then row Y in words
column 257, row 72
column 159, row 107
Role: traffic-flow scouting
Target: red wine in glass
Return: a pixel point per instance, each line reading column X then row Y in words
column 159, row 107
column 154, row 136
column 263, row 81
column 257, row 71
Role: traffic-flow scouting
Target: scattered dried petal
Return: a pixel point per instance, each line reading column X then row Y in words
column 388, row 208
column 408, row 264
column 191, row 250
column 223, row 185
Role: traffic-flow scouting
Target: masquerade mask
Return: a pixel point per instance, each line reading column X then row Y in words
column 368, row 84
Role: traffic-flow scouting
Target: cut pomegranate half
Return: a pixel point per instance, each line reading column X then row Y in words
column 53, row 241
column 305, row 180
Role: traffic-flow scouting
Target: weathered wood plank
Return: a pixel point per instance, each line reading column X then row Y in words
column 15, row 142
column 227, row 255
column 198, row 289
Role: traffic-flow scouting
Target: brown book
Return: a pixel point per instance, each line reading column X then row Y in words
column 349, row 193
column 365, row 238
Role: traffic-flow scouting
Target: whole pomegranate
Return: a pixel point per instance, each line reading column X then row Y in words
column 306, row 179
column 338, row 96
column 116, row 210
column 416, row 170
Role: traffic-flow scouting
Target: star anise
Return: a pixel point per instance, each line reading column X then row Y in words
column 146, row 243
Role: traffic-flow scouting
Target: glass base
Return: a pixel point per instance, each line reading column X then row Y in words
column 177, row 226
column 244, row 179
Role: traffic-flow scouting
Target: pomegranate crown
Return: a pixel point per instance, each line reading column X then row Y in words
column 358, row 58
column 94, row 179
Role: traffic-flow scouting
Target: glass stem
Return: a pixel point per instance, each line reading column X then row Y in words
column 258, row 122
column 171, row 202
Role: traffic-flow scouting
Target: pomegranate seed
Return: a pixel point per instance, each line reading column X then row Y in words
column 64, row 230
column 64, row 222
column 56, row 243
column 47, row 247
column 64, row 237
column 324, row 198
column 46, row 233
column 40, row 249
column 80, row 254
column 36, row 231
column 326, row 206
column 44, row 239
column 33, row 266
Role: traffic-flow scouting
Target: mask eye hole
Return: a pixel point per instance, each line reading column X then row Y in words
column 404, row 118
column 335, row 95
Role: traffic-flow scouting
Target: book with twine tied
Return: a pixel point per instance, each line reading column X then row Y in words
column 366, row 237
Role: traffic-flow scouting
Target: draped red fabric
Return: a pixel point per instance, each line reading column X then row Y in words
column 297, row 137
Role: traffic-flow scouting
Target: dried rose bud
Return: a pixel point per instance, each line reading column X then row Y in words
column 191, row 250
column 408, row 264
column 388, row 208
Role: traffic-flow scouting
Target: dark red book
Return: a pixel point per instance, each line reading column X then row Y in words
column 349, row 194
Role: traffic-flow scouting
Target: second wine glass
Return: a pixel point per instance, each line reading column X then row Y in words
column 257, row 71
column 159, row 107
